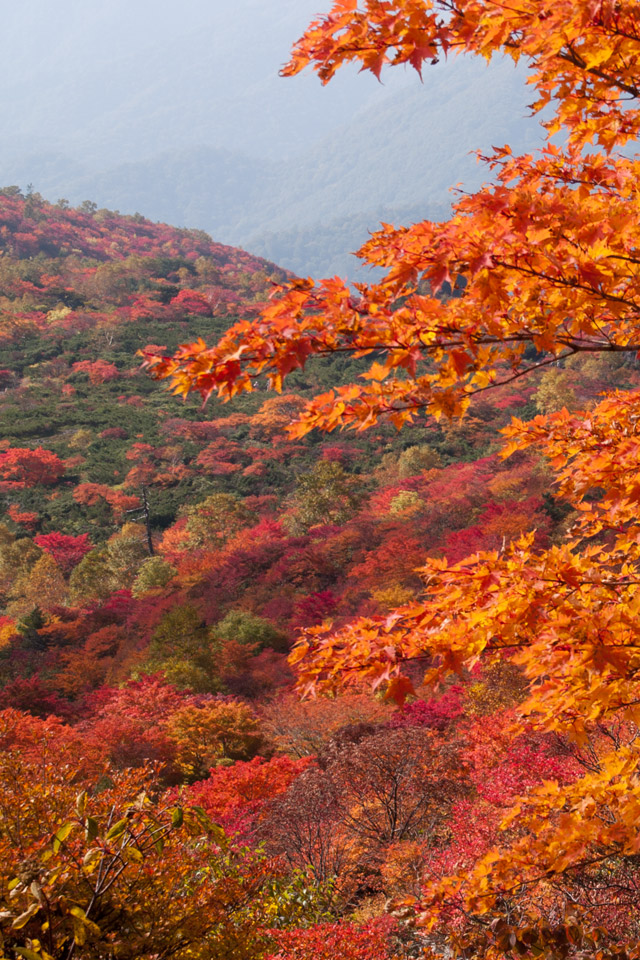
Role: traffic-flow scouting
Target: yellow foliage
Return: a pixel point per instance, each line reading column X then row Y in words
column 392, row 596
column 218, row 730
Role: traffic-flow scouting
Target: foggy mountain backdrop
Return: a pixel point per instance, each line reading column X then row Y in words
column 176, row 110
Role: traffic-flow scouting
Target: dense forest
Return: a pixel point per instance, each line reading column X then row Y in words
column 158, row 559
column 132, row 520
column 319, row 626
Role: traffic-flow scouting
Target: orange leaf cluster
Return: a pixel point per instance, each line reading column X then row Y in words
column 545, row 263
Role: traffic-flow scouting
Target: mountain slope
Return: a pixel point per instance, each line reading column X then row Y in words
column 100, row 468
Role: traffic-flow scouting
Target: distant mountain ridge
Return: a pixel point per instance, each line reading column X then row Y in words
column 180, row 114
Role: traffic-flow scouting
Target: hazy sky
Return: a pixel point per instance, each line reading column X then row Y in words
column 126, row 78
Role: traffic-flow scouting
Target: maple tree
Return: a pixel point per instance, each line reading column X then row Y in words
column 372, row 788
column 26, row 518
column 546, row 260
column 301, row 728
column 98, row 371
column 238, row 797
column 92, row 493
column 21, row 467
column 131, row 721
column 66, row 551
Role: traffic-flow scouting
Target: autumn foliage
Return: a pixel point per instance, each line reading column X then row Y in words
column 95, row 871
column 461, row 775
column 545, row 260
column 21, row 468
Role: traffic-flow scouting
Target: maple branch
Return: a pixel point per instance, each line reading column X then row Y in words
column 576, row 60
column 562, row 282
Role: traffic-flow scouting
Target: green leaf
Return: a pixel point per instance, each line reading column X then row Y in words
column 216, row 831
column 61, row 834
column 118, row 829
column 91, row 826
column 132, row 855
column 177, row 817
column 203, row 818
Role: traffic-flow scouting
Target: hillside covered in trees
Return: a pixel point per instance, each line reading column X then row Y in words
column 158, row 560
column 128, row 511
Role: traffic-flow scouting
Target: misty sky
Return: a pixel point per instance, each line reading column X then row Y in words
column 130, row 77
